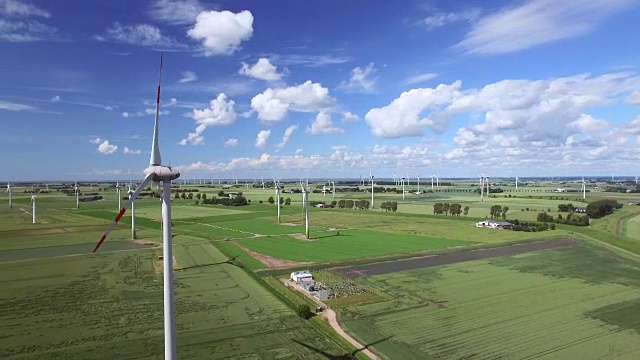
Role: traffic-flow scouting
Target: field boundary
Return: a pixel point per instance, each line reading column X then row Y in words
column 602, row 242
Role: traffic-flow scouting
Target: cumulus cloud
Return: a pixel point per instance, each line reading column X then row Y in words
column 188, row 76
column 222, row 32
column 416, row 79
column 537, row 22
column 262, row 137
column 219, row 113
column 286, row 136
column 55, row 99
column 323, row 125
column 18, row 23
column 139, row 34
column 441, row 19
column 104, row 147
column 349, row 116
column 131, row 151
column 361, row 80
column 233, row 142
column 177, row 12
column 272, row 105
column 15, row 8
column 262, row 70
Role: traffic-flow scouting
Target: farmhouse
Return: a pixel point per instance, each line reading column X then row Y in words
column 233, row 195
column 299, row 276
column 494, row 224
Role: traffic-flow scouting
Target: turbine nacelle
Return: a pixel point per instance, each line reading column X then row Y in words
column 161, row 173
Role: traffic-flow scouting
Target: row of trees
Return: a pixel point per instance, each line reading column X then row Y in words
column 237, row 201
column 600, row 208
column 570, row 219
column 449, row 209
column 389, row 205
column 497, row 211
column 190, row 196
column 351, row 204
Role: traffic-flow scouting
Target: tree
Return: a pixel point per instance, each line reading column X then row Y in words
column 190, row 196
column 495, row 211
column 177, row 196
column 198, row 196
column 349, row 204
column 334, row 203
column 446, row 207
column 287, row 201
column 504, row 212
column 221, row 193
column 600, row 208
column 438, row 208
column 281, row 200
column 394, row 206
column 342, row 204
column 466, row 210
column 204, row 196
column 183, row 196
column 384, row 206
column 270, row 200
column 304, row 311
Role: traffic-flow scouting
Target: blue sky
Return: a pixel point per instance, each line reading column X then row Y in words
column 319, row 89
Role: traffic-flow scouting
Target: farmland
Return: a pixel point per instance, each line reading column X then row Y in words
column 110, row 303
column 573, row 303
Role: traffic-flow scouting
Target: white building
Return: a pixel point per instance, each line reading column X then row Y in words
column 298, row 276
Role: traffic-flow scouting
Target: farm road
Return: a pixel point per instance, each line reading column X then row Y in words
column 457, row 257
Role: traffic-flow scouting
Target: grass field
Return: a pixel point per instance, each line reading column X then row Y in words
column 578, row 303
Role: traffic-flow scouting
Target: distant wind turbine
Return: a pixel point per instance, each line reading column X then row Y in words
column 371, row 176
column 133, row 212
column 11, row 204
column 119, row 195
column 516, row 183
column 277, row 186
column 481, row 186
column 75, row 188
column 584, row 189
column 305, row 202
column 33, row 203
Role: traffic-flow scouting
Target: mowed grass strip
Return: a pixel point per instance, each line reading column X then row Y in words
column 552, row 304
column 350, row 244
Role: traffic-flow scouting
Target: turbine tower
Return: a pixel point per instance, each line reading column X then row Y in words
column 402, row 189
column 305, row 203
column 119, row 195
column 133, row 212
column 371, row 176
column 486, row 181
column 158, row 173
column 75, row 188
column 33, row 203
column 11, row 204
column 432, row 176
column 584, row 189
column 516, row 183
column 418, row 177
column 333, row 184
column 277, row 186
column 481, row 187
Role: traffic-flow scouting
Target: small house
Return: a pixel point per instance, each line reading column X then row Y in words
column 299, row 276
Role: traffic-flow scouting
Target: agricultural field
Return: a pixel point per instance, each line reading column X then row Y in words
column 572, row 303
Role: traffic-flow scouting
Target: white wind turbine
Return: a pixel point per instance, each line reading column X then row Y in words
column 481, row 186
column 437, row 180
column 402, row 182
column 371, row 177
column 130, row 192
column 333, row 184
column 432, row 177
column 486, row 181
column 516, row 183
column 277, row 186
column 305, row 203
column 408, row 180
column 156, row 172
column 418, row 177
column 33, row 204
column 75, row 188
column 584, row 189
column 119, row 195
column 9, row 192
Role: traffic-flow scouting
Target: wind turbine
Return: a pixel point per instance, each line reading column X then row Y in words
column 33, row 203
column 481, row 186
column 516, row 183
column 156, row 172
column 403, row 189
column 408, row 180
column 334, row 189
column 432, row 176
column 418, row 177
column 75, row 188
column 305, row 203
column 119, row 195
column 371, row 176
column 486, row 181
column 584, row 189
column 262, row 183
column 437, row 180
column 133, row 212
column 11, row 204
column 277, row 186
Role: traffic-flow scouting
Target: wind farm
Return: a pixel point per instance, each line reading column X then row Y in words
column 190, row 180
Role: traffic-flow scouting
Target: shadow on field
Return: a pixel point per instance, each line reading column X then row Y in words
column 230, row 261
column 349, row 356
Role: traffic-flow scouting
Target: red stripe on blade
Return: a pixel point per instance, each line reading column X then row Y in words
column 120, row 214
column 100, row 242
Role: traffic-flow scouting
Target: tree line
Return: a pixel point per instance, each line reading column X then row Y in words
column 449, row 209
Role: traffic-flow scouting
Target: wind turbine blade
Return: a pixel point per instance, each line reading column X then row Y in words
column 144, row 183
column 155, row 148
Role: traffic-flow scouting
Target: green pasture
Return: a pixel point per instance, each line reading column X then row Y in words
column 578, row 303
column 110, row 306
column 632, row 227
column 349, row 244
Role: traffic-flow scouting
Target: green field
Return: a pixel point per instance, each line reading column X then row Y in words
column 632, row 227
column 578, row 303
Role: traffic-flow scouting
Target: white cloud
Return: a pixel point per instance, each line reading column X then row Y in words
column 131, row 152
column 287, row 135
column 20, row 31
column 55, row 99
column 139, row 34
column 441, row 19
column 233, row 142
column 634, row 98
column 188, row 76
column 262, row 137
column 361, row 80
column 262, row 70
column 105, row 148
column 349, row 116
column 323, row 125
column 537, row 22
column 129, row 114
column 416, row 79
column 177, row 12
column 222, row 32
column 96, row 140
column 5, row 105
column 273, row 104
column 298, row 151
column 402, row 117
column 219, row 113
column 14, row 8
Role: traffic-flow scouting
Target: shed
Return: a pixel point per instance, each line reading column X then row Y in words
column 298, row 276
